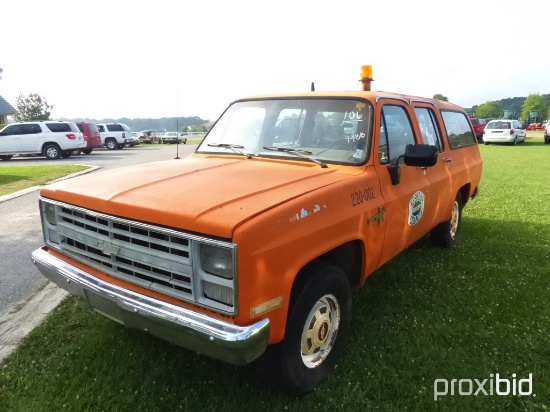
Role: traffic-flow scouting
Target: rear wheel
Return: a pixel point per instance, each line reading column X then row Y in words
column 87, row 151
column 52, row 151
column 317, row 327
column 111, row 144
column 444, row 234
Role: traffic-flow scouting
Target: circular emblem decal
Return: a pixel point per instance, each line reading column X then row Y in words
column 416, row 208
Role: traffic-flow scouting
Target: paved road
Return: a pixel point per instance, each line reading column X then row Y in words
column 20, row 230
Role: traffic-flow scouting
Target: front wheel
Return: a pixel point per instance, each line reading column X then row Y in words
column 317, row 328
column 66, row 154
column 444, row 234
column 87, row 151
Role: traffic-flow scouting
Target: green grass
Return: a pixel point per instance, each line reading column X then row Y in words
column 478, row 309
column 15, row 178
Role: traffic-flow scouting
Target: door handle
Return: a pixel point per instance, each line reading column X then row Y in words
column 448, row 159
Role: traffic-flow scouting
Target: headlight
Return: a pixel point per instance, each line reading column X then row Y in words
column 217, row 261
column 50, row 214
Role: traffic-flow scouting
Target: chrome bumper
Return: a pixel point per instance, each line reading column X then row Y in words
column 234, row 344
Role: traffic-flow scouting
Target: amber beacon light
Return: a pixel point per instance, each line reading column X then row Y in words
column 366, row 77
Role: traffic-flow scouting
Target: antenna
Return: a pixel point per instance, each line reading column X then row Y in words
column 177, row 130
column 312, row 86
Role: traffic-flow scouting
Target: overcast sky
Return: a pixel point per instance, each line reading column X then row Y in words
column 163, row 58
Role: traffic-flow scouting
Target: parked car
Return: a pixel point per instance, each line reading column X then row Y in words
column 250, row 246
column 547, row 133
column 478, row 125
column 90, row 132
column 504, row 131
column 148, row 136
column 134, row 137
column 114, row 135
column 50, row 138
column 173, row 137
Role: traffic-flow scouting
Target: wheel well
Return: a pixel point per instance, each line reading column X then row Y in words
column 347, row 257
column 464, row 193
column 47, row 143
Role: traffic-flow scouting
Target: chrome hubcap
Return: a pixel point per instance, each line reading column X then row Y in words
column 454, row 219
column 320, row 329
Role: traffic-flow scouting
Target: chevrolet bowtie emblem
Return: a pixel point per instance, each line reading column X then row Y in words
column 108, row 248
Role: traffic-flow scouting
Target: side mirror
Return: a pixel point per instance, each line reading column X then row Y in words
column 421, row 155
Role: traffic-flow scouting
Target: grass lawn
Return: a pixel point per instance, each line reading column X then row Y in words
column 15, row 178
column 471, row 312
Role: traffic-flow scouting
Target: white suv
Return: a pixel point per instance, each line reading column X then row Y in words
column 115, row 135
column 547, row 132
column 49, row 138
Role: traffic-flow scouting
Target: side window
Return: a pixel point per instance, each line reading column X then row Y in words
column 31, row 128
column 458, row 129
column 59, row 127
column 428, row 127
column 114, row 128
column 100, row 128
column 11, row 130
column 395, row 134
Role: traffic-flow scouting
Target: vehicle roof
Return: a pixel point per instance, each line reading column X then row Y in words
column 369, row 95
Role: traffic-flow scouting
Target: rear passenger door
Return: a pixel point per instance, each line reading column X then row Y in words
column 459, row 137
column 405, row 201
column 440, row 196
column 31, row 138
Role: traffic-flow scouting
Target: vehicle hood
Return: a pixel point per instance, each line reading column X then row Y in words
column 202, row 194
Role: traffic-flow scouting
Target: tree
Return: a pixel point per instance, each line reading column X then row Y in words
column 489, row 110
column 32, row 107
column 199, row 128
column 439, row 96
column 534, row 103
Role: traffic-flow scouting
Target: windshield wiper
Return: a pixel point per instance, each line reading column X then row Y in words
column 234, row 147
column 304, row 154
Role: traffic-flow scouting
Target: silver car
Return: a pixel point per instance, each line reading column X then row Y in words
column 504, row 131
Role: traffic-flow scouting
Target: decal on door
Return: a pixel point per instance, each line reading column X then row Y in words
column 416, row 208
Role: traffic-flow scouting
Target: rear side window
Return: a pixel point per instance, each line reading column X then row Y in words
column 93, row 128
column 458, row 129
column 59, row 127
column 115, row 128
column 428, row 127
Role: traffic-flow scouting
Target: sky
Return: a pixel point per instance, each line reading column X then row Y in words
column 165, row 58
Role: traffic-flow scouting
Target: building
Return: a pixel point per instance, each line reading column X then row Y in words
column 6, row 110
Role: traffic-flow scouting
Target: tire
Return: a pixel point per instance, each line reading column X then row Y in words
column 6, row 157
column 120, row 146
column 317, row 327
column 51, row 151
column 66, row 154
column 87, row 151
column 444, row 234
column 111, row 144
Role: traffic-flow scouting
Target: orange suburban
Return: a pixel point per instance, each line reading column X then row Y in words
column 249, row 247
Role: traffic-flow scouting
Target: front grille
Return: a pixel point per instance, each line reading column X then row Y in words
column 156, row 258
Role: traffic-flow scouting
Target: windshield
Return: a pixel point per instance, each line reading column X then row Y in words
column 326, row 130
